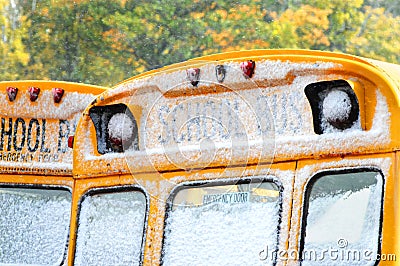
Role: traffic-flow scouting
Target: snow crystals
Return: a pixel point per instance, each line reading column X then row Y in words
column 111, row 227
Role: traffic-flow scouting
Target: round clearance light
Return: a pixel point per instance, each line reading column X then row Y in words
column 337, row 108
column 120, row 131
column 334, row 105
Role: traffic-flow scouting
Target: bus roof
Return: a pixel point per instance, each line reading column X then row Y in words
column 392, row 70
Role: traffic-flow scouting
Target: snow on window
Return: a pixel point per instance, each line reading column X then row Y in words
column 111, row 227
column 343, row 217
column 222, row 225
column 34, row 225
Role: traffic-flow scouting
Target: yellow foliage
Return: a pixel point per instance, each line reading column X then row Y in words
column 223, row 38
column 245, row 9
column 240, row 12
column 222, row 13
column 45, row 11
column 310, row 24
column 197, row 15
column 378, row 36
column 341, row 4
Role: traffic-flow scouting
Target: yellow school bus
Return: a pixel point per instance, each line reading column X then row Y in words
column 36, row 183
column 265, row 157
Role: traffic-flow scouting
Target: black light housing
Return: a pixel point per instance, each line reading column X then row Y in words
column 107, row 142
column 333, row 102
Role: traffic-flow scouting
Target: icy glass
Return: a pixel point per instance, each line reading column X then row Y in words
column 343, row 219
column 110, row 230
column 222, row 225
column 34, row 225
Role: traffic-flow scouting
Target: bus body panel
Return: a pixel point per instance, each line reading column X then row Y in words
column 374, row 91
column 162, row 164
column 36, row 183
column 215, row 134
column 159, row 187
column 34, row 133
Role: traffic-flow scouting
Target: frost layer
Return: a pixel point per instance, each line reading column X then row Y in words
column 328, row 226
column 221, row 234
column 111, row 229
column 34, row 226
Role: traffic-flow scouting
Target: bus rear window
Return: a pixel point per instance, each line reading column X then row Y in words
column 222, row 225
column 343, row 217
column 34, row 225
column 111, row 228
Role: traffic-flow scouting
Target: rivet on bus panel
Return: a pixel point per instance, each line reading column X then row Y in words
column 57, row 94
column 33, row 93
column 248, row 68
column 12, row 93
column 193, row 75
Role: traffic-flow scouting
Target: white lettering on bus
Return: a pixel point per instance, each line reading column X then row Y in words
column 221, row 119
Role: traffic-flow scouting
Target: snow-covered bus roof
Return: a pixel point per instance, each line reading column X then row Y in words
column 36, row 119
column 242, row 108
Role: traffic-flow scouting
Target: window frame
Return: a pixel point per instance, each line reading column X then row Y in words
column 222, row 182
column 48, row 187
column 307, row 192
column 107, row 190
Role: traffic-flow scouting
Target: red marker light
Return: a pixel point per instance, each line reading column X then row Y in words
column 57, row 94
column 71, row 142
column 116, row 142
column 12, row 93
column 193, row 76
column 33, row 93
column 248, row 68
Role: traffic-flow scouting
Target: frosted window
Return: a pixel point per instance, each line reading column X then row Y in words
column 222, row 225
column 34, row 225
column 343, row 220
column 111, row 227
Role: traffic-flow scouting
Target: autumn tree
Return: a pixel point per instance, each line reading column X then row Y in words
column 378, row 36
column 65, row 41
column 106, row 41
column 13, row 55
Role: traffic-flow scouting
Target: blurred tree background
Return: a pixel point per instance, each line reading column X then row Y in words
column 106, row 41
